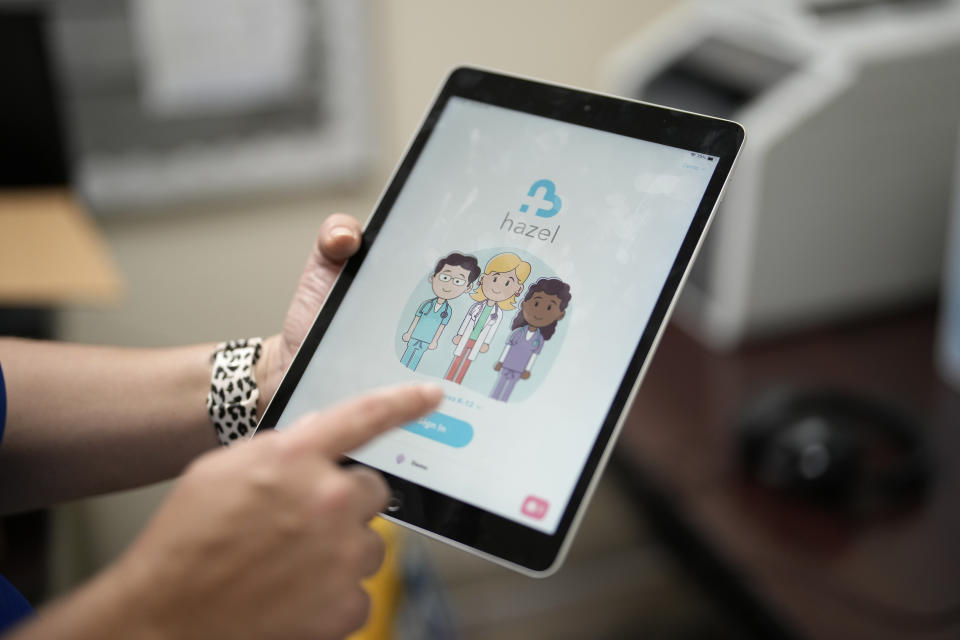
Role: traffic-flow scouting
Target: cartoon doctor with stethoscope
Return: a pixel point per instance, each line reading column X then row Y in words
column 501, row 283
column 452, row 276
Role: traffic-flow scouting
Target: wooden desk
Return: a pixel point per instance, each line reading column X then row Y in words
column 791, row 568
column 51, row 253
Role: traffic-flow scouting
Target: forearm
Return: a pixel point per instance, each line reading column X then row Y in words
column 84, row 420
column 106, row 607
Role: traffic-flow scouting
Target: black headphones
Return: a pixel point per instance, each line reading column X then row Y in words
column 836, row 447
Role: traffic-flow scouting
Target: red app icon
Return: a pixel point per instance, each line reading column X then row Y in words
column 534, row 507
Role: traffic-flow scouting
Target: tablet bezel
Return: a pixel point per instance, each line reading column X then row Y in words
column 507, row 541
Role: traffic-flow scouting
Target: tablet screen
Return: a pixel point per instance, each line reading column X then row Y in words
column 518, row 267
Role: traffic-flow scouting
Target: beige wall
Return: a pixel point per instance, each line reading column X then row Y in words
column 227, row 270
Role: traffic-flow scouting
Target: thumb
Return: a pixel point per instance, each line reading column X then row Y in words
column 339, row 238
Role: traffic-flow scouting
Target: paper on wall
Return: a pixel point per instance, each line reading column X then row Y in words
column 219, row 55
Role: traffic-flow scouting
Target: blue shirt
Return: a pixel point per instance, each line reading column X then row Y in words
column 3, row 405
column 431, row 319
column 13, row 606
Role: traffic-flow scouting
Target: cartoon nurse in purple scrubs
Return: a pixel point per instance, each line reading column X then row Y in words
column 543, row 307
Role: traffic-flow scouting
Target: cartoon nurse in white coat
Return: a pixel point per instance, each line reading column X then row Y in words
column 501, row 283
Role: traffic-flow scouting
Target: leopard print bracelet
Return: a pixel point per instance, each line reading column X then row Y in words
column 233, row 397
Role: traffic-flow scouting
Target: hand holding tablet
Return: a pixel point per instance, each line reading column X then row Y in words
column 525, row 256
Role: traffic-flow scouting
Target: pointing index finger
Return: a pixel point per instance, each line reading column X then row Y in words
column 355, row 422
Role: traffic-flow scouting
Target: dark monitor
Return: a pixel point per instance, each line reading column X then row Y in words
column 32, row 148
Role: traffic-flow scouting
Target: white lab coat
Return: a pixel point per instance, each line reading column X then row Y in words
column 470, row 321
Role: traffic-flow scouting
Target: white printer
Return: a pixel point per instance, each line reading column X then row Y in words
column 839, row 204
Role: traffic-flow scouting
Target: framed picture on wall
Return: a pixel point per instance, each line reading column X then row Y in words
column 169, row 101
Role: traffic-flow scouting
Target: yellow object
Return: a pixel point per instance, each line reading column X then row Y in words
column 51, row 252
column 385, row 587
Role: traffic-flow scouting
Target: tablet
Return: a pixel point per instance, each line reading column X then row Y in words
column 525, row 255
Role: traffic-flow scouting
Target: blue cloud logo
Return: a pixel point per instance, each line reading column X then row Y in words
column 543, row 197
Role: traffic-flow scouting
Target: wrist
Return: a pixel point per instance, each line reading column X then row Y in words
column 234, row 396
column 130, row 604
column 269, row 370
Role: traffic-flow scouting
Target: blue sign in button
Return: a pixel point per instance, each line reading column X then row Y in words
column 442, row 428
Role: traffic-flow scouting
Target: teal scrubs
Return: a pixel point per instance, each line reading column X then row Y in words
column 430, row 319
